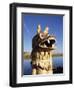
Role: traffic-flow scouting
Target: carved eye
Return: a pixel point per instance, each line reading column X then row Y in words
column 41, row 35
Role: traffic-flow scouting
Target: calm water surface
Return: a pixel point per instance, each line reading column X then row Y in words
column 57, row 64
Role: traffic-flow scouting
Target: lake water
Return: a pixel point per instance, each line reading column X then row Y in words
column 57, row 64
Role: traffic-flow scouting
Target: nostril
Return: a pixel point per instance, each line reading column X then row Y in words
column 52, row 41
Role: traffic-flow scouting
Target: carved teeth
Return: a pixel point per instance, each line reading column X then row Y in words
column 46, row 53
column 45, row 46
column 53, row 45
column 48, row 41
column 42, row 53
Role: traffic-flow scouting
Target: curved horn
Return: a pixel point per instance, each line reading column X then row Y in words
column 46, row 30
column 38, row 29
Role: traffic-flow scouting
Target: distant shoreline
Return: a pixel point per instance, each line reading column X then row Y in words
column 27, row 55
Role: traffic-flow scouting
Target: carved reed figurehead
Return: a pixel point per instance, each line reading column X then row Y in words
column 42, row 45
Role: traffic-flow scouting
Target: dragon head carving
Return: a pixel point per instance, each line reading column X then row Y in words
column 43, row 40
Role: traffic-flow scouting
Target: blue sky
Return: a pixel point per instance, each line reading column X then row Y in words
column 30, row 22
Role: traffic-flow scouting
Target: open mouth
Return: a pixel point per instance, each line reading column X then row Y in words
column 48, row 43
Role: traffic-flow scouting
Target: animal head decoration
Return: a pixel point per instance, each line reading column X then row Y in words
column 43, row 40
